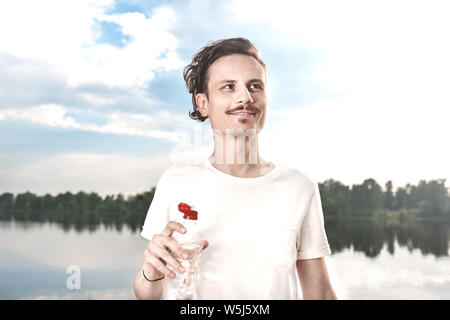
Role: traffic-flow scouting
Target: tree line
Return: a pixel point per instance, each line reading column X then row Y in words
column 81, row 210
column 428, row 199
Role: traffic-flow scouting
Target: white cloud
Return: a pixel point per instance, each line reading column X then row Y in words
column 388, row 65
column 102, row 173
column 96, row 100
column 117, row 123
column 334, row 138
column 141, row 125
column 105, row 174
column 367, row 48
column 48, row 114
column 60, row 34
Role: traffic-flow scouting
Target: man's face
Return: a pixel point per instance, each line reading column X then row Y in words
column 236, row 85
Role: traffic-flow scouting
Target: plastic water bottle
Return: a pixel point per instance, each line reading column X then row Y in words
column 183, row 286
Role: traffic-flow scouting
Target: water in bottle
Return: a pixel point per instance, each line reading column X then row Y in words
column 183, row 286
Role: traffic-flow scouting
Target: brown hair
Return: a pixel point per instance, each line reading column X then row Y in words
column 196, row 73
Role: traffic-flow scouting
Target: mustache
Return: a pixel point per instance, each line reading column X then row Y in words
column 241, row 108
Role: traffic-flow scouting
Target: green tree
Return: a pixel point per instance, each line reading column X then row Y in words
column 94, row 204
column 400, row 198
column 366, row 198
column 107, row 209
column 431, row 197
column 6, row 206
column 388, row 196
column 137, row 208
column 335, row 198
column 23, row 206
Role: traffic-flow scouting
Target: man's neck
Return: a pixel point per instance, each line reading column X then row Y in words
column 238, row 156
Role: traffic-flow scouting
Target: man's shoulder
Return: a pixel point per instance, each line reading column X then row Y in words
column 296, row 176
column 182, row 170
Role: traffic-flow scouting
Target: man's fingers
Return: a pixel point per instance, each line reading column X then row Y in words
column 171, row 244
column 166, row 257
column 171, row 227
column 158, row 265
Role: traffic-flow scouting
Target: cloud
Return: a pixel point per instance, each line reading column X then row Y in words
column 381, row 48
column 53, row 68
column 359, row 90
column 96, row 100
column 48, row 114
column 102, row 173
column 117, row 122
column 62, row 36
column 105, row 174
column 382, row 73
column 26, row 82
column 141, row 124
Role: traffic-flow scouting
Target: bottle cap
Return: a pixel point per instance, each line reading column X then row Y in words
column 188, row 212
column 191, row 215
column 184, row 207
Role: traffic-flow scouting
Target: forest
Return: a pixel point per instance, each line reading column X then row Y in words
column 427, row 200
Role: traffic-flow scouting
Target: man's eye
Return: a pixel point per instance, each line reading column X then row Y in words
column 228, row 86
column 255, row 86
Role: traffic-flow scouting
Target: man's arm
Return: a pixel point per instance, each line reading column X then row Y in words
column 146, row 290
column 314, row 279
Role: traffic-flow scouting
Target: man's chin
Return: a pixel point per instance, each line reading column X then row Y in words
column 242, row 132
column 237, row 132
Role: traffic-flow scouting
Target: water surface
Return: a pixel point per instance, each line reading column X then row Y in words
column 369, row 261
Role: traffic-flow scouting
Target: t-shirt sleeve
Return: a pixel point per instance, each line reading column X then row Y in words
column 312, row 240
column 158, row 212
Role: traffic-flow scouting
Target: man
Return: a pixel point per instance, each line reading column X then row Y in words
column 262, row 222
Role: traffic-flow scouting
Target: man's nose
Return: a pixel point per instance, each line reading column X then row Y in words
column 244, row 97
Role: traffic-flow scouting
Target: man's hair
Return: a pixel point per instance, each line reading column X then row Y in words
column 196, row 73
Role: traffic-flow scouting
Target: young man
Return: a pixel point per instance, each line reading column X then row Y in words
column 262, row 222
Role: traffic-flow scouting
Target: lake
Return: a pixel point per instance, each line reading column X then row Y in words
column 369, row 261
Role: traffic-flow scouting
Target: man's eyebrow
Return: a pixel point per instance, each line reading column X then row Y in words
column 234, row 81
column 226, row 81
column 256, row 80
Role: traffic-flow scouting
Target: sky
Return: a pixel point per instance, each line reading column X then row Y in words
column 92, row 96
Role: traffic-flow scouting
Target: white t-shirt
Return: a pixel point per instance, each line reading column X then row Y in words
column 257, row 228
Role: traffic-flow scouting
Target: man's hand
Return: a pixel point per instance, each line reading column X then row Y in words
column 163, row 250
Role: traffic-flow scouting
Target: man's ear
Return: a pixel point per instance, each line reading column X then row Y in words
column 202, row 103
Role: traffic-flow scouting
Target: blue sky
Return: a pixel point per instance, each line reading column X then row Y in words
column 92, row 95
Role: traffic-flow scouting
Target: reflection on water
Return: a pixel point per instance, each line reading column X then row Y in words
column 34, row 258
column 370, row 237
column 369, row 260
